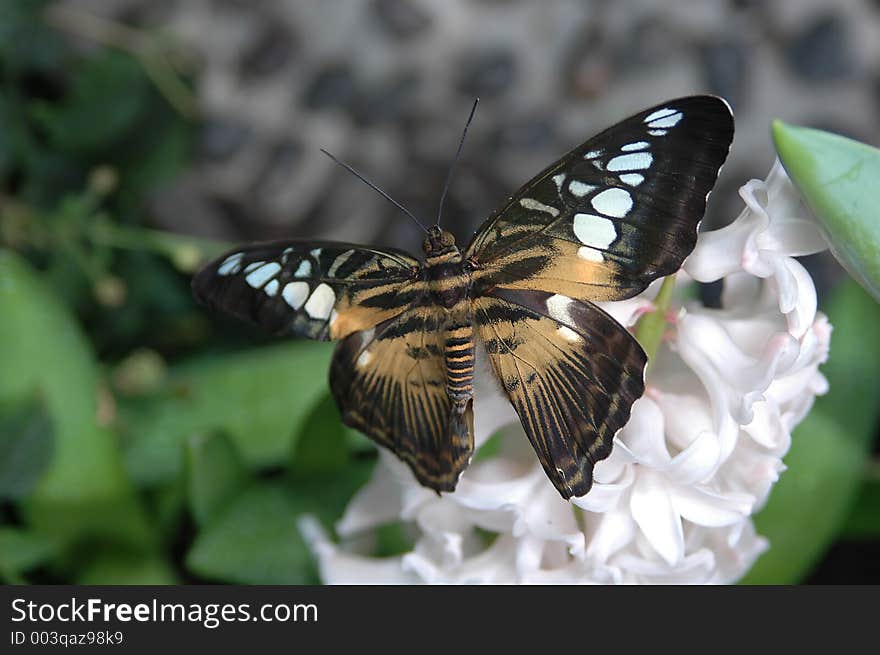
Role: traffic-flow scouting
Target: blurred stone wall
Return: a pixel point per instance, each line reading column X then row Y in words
column 387, row 84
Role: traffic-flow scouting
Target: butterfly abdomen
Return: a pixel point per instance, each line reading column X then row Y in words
column 459, row 354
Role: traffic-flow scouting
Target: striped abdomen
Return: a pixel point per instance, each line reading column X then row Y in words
column 459, row 353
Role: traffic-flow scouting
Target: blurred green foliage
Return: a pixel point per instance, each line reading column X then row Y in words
column 138, row 442
column 142, row 443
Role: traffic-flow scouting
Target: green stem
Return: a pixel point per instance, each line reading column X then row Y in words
column 651, row 326
column 185, row 251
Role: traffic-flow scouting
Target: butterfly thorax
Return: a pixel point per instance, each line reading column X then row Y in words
column 448, row 278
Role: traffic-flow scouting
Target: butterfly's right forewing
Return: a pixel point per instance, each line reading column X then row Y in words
column 313, row 289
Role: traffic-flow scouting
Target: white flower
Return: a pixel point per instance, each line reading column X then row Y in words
column 700, row 454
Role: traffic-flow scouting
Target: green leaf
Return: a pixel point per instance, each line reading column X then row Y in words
column 25, row 447
column 853, row 366
column 21, row 551
column 215, row 477
column 122, row 568
column 84, row 492
column 255, row 541
column 809, row 504
column 863, row 521
column 259, row 398
column 322, row 446
column 394, row 538
column 108, row 94
column 838, row 178
column 26, row 41
column 490, row 448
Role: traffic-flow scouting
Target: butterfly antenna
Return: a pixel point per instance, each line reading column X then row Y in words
column 375, row 188
column 455, row 160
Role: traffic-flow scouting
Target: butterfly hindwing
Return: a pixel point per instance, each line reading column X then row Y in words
column 571, row 372
column 390, row 383
column 613, row 214
column 319, row 290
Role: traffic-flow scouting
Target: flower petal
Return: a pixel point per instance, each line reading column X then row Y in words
column 653, row 511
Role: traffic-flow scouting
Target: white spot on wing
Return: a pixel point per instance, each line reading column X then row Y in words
column 231, row 264
column 613, row 202
column 559, row 308
column 635, row 161
column 633, row 179
column 668, row 121
column 593, row 154
column 531, row 203
column 656, row 132
column 295, row 294
column 559, row 179
column 568, row 334
column 339, row 261
column 590, row 254
column 253, row 266
column 594, row 231
column 638, row 145
column 260, row 276
column 320, row 303
column 364, row 358
column 315, row 253
column 304, row 269
column 580, row 189
column 660, row 113
column 271, row 288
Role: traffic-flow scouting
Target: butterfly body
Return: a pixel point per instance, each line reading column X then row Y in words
column 600, row 224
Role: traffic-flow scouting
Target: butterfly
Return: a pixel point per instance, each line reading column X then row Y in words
column 599, row 224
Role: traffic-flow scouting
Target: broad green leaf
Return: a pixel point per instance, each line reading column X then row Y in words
column 21, row 551
column 255, row 541
column 25, row 446
column 812, row 499
column 322, row 445
column 108, row 94
column 490, row 447
column 838, row 177
column 26, row 41
column 123, row 568
column 259, row 398
column 328, row 465
column 215, row 475
column 168, row 507
column 394, row 538
column 853, row 366
column 863, row 521
column 84, row 492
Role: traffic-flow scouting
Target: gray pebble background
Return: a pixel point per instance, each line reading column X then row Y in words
column 387, row 85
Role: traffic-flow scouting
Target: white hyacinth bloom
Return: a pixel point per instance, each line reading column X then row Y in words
column 700, row 454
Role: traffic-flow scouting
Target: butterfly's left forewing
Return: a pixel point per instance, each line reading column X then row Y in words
column 614, row 214
column 313, row 289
